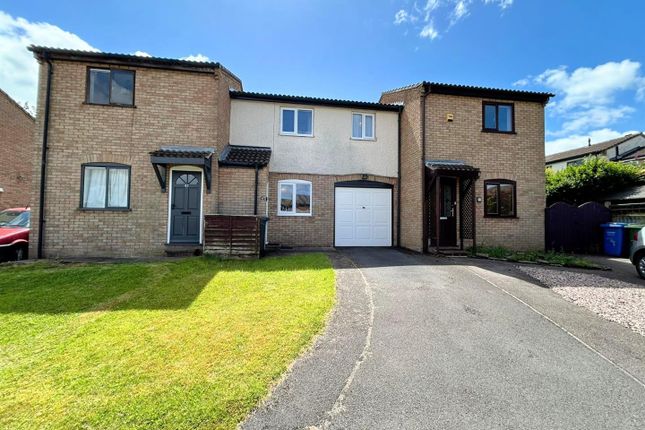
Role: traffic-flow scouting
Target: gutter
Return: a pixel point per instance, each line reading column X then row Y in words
column 43, row 161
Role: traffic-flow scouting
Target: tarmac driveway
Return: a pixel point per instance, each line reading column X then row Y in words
column 423, row 342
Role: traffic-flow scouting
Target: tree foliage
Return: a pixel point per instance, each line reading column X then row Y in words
column 591, row 180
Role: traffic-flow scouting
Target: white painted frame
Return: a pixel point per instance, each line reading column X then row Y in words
column 201, row 199
column 363, row 128
column 295, row 182
column 295, row 122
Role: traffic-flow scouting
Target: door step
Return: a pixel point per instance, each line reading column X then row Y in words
column 183, row 250
column 450, row 252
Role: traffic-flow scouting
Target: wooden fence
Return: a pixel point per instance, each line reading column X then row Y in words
column 233, row 236
column 575, row 229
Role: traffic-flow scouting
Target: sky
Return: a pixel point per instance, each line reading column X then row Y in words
column 588, row 52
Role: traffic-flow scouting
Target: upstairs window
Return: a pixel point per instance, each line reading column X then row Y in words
column 294, row 198
column 105, row 186
column 363, row 126
column 499, row 117
column 297, row 122
column 110, row 87
column 499, row 198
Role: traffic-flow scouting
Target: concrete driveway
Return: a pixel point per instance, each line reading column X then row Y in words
column 446, row 343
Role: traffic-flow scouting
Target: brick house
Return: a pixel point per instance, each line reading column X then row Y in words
column 472, row 166
column 16, row 161
column 139, row 149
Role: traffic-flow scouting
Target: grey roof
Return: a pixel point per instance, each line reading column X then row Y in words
column 589, row 150
column 475, row 91
column 452, row 165
column 318, row 101
column 245, row 156
column 43, row 52
column 183, row 151
column 632, row 193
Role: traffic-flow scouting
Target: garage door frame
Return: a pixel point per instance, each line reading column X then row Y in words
column 364, row 183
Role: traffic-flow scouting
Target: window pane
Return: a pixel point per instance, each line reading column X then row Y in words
column 305, row 121
column 357, row 126
column 118, row 189
column 303, row 198
column 286, row 197
column 490, row 112
column 369, row 126
column 505, row 118
column 288, row 120
column 506, row 199
column 99, row 86
column 94, row 187
column 122, row 87
column 491, row 199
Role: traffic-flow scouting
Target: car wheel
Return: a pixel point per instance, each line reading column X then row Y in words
column 20, row 253
column 640, row 266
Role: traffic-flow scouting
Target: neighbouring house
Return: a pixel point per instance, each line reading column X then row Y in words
column 140, row 149
column 627, row 205
column 627, row 149
column 471, row 166
column 16, row 149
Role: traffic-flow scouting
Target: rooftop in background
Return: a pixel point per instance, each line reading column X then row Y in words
column 44, row 52
column 16, row 104
column 317, row 101
column 473, row 91
column 589, row 149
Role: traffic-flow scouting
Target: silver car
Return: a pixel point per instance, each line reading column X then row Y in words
column 637, row 252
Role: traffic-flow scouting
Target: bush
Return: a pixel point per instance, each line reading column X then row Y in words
column 590, row 181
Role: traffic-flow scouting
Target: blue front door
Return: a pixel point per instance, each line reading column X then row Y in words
column 185, row 207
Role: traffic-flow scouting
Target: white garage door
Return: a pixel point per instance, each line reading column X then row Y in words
column 363, row 217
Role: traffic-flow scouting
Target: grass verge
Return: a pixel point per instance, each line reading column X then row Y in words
column 194, row 343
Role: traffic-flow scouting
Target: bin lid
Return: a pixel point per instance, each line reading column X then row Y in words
column 635, row 226
column 613, row 225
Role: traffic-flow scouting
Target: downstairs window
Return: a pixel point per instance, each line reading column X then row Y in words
column 294, row 198
column 105, row 186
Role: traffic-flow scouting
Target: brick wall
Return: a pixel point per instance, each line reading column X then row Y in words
column 316, row 230
column 518, row 157
column 411, row 167
column 172, row 108
column 236, row 190
column 16, row 146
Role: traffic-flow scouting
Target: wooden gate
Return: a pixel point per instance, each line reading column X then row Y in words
column 575, row 229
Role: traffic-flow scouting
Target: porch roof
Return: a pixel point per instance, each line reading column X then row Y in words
column 167, row 156
column 454, row 167
column 245, row 156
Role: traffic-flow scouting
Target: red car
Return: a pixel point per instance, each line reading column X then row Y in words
column 14, row 233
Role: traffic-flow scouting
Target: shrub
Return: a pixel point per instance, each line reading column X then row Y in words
column 591, row 180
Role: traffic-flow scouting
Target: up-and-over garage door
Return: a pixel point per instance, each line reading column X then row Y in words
column 363, row 217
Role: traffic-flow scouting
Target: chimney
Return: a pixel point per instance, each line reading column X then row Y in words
column 589, row 142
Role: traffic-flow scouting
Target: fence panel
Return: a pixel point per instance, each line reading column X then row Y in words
column 575, row 229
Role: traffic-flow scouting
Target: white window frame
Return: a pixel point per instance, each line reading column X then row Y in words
column 293, row 212
column 295, row 122
column 363, row 115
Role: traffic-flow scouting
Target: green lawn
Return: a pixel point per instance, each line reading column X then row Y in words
column 192, row 343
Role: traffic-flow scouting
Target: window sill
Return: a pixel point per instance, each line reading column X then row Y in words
column 295, row 135
column 111, row 105
column 105, row 209
column 485, row 130
column 291, row 214
column 359, row 139
column 501, row 216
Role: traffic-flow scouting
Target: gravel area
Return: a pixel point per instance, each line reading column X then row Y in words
column 615, row 300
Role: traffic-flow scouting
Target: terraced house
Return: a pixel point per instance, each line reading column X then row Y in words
column 136, row 150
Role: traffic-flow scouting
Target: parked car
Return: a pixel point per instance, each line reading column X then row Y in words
column 14, row 233
column 637, row 252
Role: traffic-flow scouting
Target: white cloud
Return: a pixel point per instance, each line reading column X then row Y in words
column 18, row 68
column 141, row 54
column 429, row 32
column 400, row 17
column 580, row 140
column 521, row 82
column 600, row 116
column 586, row 87
column 431, row 17
column 199, row 57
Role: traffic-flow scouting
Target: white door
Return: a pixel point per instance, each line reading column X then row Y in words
column 363, row 217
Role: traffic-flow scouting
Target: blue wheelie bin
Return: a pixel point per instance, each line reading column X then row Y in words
column 613, row 238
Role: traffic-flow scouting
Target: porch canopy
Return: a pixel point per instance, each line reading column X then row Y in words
column 465, row 195
column 245, row 156
column 167, row 156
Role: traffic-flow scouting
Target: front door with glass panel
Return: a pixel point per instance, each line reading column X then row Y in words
column 185, row 207
column 448, row 212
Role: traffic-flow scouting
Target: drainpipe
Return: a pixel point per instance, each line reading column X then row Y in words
column 423, row 168
column 398, row 186
column 43, row 161
column 255, row 200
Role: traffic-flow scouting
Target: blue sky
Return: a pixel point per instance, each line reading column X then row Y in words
column 588, row 52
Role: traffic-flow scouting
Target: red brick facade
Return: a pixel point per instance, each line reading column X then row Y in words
column 16, row 148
